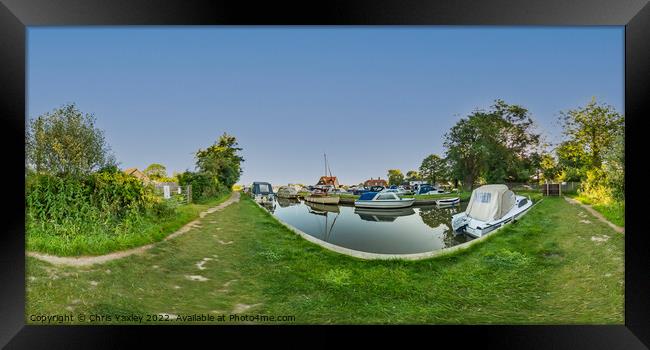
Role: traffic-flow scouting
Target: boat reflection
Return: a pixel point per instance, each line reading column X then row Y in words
column 287, row 202
column 383, row 215
column 322, row 209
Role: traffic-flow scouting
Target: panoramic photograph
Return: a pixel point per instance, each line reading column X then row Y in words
column 325, row 175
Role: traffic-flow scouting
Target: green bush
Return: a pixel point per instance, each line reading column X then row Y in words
column 204, row 185
column 83, row 204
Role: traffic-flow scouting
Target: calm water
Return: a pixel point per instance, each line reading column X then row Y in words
column 387, row 231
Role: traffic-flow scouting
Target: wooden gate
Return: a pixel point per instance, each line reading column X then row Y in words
column 551, row 189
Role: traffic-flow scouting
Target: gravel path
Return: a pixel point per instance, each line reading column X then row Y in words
column 91, row 260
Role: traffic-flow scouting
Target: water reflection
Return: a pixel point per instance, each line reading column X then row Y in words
column 386, row 215
column 387, row 231
column 287, row 202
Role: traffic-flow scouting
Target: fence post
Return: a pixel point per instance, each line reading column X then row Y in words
column 189, row 194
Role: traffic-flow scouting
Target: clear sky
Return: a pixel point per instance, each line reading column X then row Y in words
column 372, row 98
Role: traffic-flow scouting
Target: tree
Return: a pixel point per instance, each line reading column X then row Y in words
column 395, row 177
column 433, row 169
column 413, row 175
column 156, row 171
column 66, row 141
column 549, row 168
column 615, row 167
column 221, row 160
column 497, row 145
column 589, row 131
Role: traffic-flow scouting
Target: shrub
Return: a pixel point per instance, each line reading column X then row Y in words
column 204, row 185
column 70, row 205
column 596, row 188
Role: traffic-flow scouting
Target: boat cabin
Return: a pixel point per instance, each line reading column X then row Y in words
column 261, row 188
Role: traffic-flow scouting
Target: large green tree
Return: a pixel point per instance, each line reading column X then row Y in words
column 589, row 132
column 434, row 169
column 221, row 160
column 497, row 145
column 593, row 150
column 395, row 177
column 66, row 142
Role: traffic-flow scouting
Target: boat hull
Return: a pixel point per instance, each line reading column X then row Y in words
column 322, row 199
column 449, row 201
column 390, row 204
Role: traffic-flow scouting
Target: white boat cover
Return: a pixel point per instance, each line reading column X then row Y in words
column 490, row 202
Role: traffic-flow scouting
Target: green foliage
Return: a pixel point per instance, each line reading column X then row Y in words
column 595, row 187
column 434, row 169
column 156, row 172
column 496, row 145
column 105, row 200
column 589, row 131
column 221, row 161
column 395, row 177
column 204, row 185
column 66, row 141
column 413, row 175
column 593, row 152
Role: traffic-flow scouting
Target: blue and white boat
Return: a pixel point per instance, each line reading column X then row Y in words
column 385, row 200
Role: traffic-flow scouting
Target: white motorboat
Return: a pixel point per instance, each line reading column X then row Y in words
column 448, row 201
column 386, row 200
column 490, row 207
column 287, row 192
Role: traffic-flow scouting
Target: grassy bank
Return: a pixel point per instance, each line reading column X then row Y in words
column 148, row 230
column 614, row 211
column 547, row 268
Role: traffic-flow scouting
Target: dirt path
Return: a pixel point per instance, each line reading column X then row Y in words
column 598, row 215
column 91, row 260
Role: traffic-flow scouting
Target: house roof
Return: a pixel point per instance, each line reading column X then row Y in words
column 328, row 180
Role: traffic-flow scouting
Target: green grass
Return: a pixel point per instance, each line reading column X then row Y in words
column 546, row 268
column 614, row 211
column 101, row 242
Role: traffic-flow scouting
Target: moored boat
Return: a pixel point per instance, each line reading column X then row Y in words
column 379, row 200
column 320, row 195
column 490, row 207
column 287, row 192
column 448, row 201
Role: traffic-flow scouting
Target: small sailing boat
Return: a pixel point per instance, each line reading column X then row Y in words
column 320, row 194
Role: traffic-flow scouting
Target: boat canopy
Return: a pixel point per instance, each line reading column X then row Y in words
column 262, row 188
column 490, row 202
column 368, row 196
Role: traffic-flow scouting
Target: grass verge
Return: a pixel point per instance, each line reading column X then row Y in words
column 146, row 231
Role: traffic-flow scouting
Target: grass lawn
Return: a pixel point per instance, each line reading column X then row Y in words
column 614, row 212
column 150, row 230
column 547, row 268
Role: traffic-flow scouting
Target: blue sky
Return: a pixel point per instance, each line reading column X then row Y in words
column 372, row 98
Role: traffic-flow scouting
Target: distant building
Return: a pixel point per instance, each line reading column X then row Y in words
column 328, row 181
column 138, row 174
column 375, row 182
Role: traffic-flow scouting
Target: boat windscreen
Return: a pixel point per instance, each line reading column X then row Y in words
column 367, row 196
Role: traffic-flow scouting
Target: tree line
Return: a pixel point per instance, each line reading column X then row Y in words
column 501, row 144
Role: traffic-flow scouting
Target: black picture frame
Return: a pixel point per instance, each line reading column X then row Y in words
column 16, row 15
